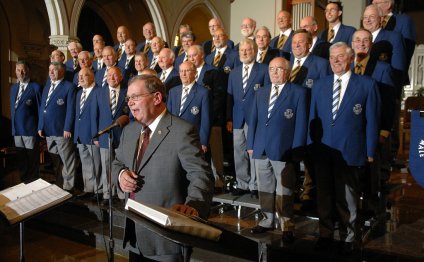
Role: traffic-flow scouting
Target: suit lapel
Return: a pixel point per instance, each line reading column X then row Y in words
column 190, row 97
column 348, row 95
column 55, row 92
column 25, row 94
column 251, row 79
column 281, row 98
column 159, row 135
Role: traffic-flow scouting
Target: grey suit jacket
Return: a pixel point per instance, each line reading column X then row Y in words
column 174, row 173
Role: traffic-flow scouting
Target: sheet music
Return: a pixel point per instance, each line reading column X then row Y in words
column 37, row 199
column 25, row 189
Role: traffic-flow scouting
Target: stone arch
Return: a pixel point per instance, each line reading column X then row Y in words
column 158, row 19
column 75, row 14
column 59, row 24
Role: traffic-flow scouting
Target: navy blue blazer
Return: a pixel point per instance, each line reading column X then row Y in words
column 228, row 61
column 344, row 34
column 25, row 117
column 287, row 47
column 354, row 132
column 312, row 69
column 240, row 103
column 100, row 73
column 196, row 108
column 285, row 129
column 102, row 115
column 69, row 68
column 179, row 60
column 321, row 49
column 207, row 46
column 95, row 65
column 172, row 80
column 85, row 128
column 270, row 54
column 397, row 56
column 58, row 115
column 382, row 73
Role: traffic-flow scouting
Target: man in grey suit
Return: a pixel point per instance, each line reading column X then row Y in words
column 168, row 171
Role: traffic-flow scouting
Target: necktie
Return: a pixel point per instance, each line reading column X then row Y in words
column 196, row 77
column 272, row 100
column 143, row 142
column 153, row 64
column 384, row 22
column 146, row 47
column 127, row 62
column 99, row 64
column 185, row 58
column 245, row 77
column 162, row 78
column 18, row 97
column 213, row 47
column 217, row 59
column 52, row 87
column 113, row 101
column 330, row 35
column 119, row 51
column 295, row 71
column 336, row 97
column 105, row 77
column 82, row 101
column 75, row 63
column 183, row 99
column 181, row 51
column 281, row 41
column 358, row 69
column 259, row 60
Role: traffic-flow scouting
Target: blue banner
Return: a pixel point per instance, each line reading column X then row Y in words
column 416, row 148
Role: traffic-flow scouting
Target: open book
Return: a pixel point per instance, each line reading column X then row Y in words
column 174, row 220
column 24, row 200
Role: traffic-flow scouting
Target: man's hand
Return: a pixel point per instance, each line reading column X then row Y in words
column 250, row 151
column 67, row 134
column 186, row 210
column 370, row 159
column 204, row 148
column 230, row 127
column 40, row 133
column 130, row 182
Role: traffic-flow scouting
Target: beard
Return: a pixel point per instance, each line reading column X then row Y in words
column 245, row 32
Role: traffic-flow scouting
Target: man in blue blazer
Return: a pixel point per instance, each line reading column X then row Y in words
column 109, row 106
column 169, row 75
column 311, row 67
column 216, row 81
column 109, row 60
column 85, row 60
column 209, row 46
column 306, row 68
column 85, row 130
column 344, row 125
column 25, row 98
column 71, row 64
column 187, row 39
column 122, row 34
column 243, row 82
column 223, row 57
column 278, row 126
column 56, row 121
column 319, row 47
column 284, row 39
column 382, row 73
column 265, row 52
column 336, row 31
column 190, row 101
column 97, row 57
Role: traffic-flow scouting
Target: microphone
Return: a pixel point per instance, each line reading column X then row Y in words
column 121, row 122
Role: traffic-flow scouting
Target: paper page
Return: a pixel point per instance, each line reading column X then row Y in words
column 37, row 199
column 21, row 191
column 148, row 212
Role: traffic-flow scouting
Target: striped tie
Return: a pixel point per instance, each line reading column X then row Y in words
column 99, row 64
column 21, row 90
column 162, row 78
column 336, row 97
column 120, row 51
column 281, row 41
column 127, row 63
column 245, row 77
column 330, row 35
column 181, row 51
column 213, row 47
column 183, row 99
column 295, row 71
column 272, row 100
column 113, row 101
column 153, row 64
column 105, row 77
column 75, row 63
column 217, row 59
column 146, row 47
column 82, row 100
column 52, row 87
column 259, row 60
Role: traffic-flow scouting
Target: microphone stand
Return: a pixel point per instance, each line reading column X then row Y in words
column 109, row 177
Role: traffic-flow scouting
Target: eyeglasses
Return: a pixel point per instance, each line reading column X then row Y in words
column 277, row 69
column 135, row 97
